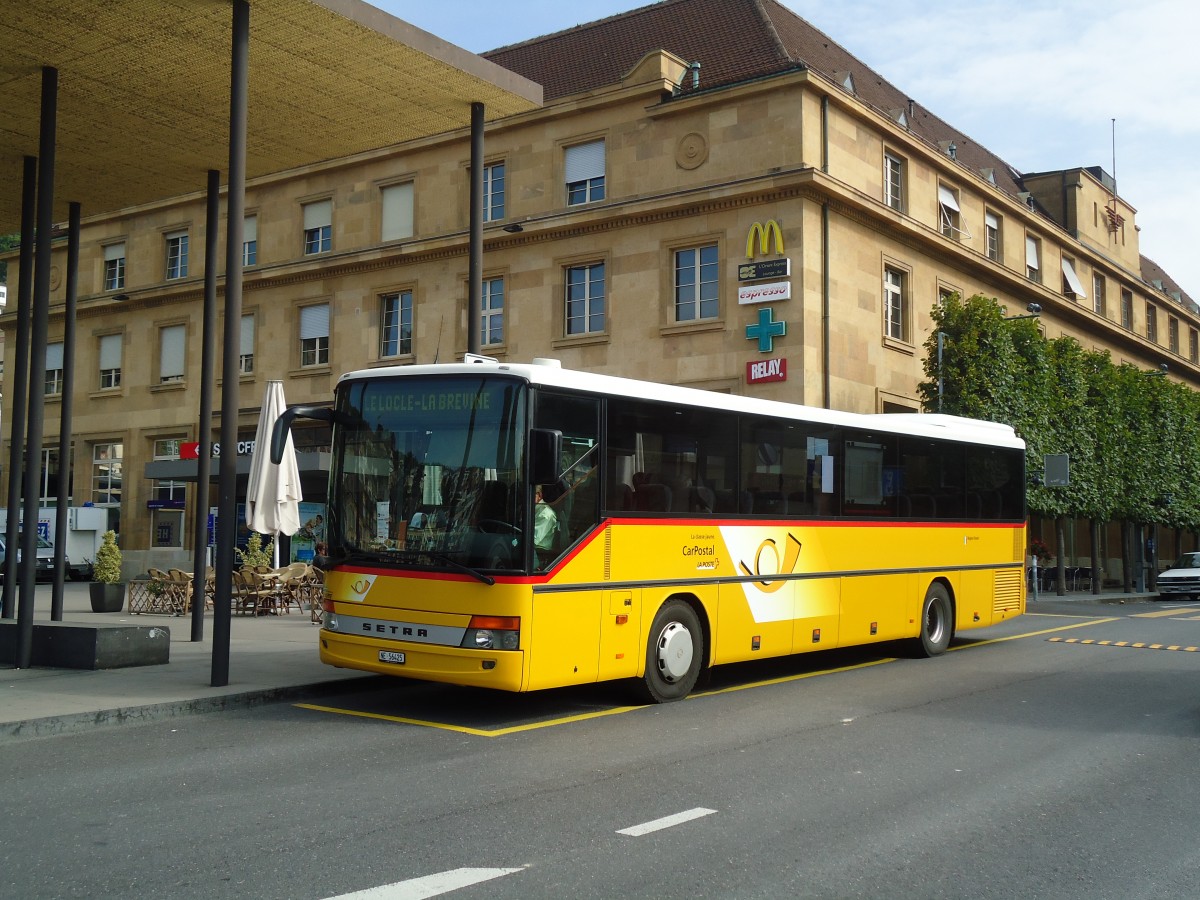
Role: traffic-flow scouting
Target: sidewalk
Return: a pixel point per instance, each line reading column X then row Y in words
column 271, row 658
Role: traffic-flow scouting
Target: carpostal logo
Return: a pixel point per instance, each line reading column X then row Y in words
column 359, row 586
column 761, row 561
column 767, row 562
column 763, row 233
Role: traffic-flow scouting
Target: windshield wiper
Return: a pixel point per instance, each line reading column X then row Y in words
column 455, row 564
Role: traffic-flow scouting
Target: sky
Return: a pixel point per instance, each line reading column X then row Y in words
column 1038, row 83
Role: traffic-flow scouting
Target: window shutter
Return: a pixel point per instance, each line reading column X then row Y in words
column 946, row 198
column 1031, row 252
column 171, row 346
column 318, row 215
column 114, row 251
column 314, row 322
column 246, row 344
column 250, row 229
column 397, row 211
column 110, row 351
column 1073, row 279
column 584, row 161
column 54, row 356
column 992, row 220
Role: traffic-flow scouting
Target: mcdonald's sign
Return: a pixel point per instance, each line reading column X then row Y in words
column 763, row 233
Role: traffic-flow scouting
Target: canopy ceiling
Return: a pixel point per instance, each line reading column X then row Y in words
column 143, row 92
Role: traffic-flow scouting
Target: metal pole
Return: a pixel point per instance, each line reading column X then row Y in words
column 65, row 412
column 204, row 428
column 234, row 227
column 475, row 267
column 16, row 440
column 37, row 364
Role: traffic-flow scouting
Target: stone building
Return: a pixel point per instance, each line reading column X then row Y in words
column 714, row 193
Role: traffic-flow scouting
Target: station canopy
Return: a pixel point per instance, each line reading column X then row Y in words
column 143, row 92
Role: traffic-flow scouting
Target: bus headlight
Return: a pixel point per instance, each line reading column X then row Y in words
column 493, row 633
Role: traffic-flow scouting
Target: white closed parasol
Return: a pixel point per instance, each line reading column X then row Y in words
column 273, row 491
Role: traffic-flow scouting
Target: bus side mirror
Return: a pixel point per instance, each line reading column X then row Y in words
column 279, row 432
column 545, row 448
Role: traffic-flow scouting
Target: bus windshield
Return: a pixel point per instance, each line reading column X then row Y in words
column 428, row 472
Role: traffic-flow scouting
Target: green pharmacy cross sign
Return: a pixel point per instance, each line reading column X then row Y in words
column 766, row 330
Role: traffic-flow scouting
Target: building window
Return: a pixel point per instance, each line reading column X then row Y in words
column 991, row 229
column 1193, row 345
column 493, row 192
column 1173, row 334
column 1127, row 309
column 54, row 368
column 1072, row 287
column 895, row 306
column 696, row 283
column 106, row 473
column 177, row 255
column 1152, row 321
column 318, row 227
column 893, row 181
column 397, row 205
column 395, row 324
column 949, row 213
column 114, row 266
column 491, row 314
column 246, row 346
column 110, row 361
column 171, row 343
column 585, row 299
column 1099, row 304
column 585, row 173
column 250, row 241
column 314, row 335
column 1033, row 258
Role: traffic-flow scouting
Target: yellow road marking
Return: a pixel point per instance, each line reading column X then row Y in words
column 564, row 720
column 1135, row 646
column 464, row 729
column 1163, row 613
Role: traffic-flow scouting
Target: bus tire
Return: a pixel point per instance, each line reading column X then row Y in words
column 937, row 621
column 674, row 653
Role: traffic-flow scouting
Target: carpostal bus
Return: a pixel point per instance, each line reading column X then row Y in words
column 677, row 529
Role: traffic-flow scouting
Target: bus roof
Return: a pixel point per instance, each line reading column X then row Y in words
column 548, row 372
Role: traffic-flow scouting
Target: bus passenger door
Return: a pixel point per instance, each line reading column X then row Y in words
column 565, row 639
column 620, row 645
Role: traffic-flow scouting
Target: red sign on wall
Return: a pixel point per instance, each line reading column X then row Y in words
column 189, row 449
column 761, row 370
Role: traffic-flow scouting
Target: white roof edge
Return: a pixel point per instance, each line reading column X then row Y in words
column 932, row 425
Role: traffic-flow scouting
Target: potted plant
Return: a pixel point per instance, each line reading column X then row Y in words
column 107, row 589
column 256, row 553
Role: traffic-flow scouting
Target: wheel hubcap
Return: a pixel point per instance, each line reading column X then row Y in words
column 675, row 651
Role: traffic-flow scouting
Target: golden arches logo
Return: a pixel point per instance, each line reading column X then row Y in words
column 764, row 232
column 784, row 566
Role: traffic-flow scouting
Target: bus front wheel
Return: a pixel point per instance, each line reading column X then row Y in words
column 937, row 621
column 674, row 652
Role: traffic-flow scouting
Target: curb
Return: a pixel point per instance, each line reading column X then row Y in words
column 74, row 723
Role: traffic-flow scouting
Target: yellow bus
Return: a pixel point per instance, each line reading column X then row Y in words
column 523, row 527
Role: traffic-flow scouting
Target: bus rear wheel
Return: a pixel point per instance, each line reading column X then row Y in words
column 674, row 652
column 937, row 622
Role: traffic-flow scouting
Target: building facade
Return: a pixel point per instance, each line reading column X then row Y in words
column 714, row 194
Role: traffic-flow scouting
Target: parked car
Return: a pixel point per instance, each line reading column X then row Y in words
column 45, row 558
column 1182, row 579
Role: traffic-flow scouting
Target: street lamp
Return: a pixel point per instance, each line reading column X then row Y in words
column 1034, row 311
column 1159, row 372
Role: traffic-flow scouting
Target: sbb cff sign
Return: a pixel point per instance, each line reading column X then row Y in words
column 761, row 370
column 191, row 449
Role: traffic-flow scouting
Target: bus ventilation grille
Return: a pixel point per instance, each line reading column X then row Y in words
column 1007, row 594
column 1018, row 544
column 607, row 553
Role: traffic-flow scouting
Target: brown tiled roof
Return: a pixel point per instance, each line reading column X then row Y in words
column 1152, row 272
column 734, row 41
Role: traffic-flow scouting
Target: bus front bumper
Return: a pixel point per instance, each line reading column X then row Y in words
column 498, row 669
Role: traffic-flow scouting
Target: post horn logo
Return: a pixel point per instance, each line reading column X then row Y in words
column 763, row 233
column 360, row 585
column 791, row 556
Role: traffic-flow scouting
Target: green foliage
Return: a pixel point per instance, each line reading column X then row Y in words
column 108, row 560
column 255, row 554
column 1133, row 439
column 7, row 242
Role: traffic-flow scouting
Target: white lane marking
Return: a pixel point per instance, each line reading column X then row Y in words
column 428, row 885
column 666, row 822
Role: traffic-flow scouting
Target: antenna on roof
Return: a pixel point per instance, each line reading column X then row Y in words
column 1115, row 219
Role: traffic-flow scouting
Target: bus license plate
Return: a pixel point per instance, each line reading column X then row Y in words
column 391, row 656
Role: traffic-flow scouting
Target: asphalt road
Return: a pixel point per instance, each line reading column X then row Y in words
column 1026, row 762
